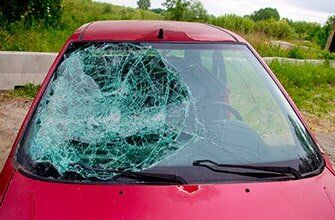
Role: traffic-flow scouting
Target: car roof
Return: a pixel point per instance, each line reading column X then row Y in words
column 136, row 30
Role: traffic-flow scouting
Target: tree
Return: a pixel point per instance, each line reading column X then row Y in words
column 324, row 33
column 176, row 8
column 158, row 10
column 186, row 10
column 144, row 4
column 30, row 11
column 265, row 14
column 196, row 12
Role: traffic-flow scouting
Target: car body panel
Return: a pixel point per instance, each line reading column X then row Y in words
column 22, row 197
column 148, row 31
column 311, row 198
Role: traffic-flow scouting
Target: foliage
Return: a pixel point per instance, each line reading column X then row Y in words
column 272, row 28
column 312, row 87
column 313, row 31
column 185, row 10
column 196, row 12
column 304, row 30
column 27, row 91
column 301, row 50
column 158, row 10
column 234, row 23
column 322, row 36
column 40, row 37
column 144, row 4
column 176, row 8
column 278, row 29
column 31, row 11
column 75, row 13
column 265, row 14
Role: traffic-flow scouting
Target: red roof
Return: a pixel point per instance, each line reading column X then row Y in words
column 148, row 31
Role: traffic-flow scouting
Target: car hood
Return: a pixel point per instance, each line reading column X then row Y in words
column 310, row 198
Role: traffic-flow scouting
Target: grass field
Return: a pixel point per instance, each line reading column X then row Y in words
column 310, row 86
column 78, row 12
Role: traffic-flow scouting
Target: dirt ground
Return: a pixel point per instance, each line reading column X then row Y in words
column 13, row 110
column 324, row 130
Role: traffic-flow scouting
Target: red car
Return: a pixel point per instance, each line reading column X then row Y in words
column 164, row 120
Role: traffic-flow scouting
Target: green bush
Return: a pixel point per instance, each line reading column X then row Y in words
column 268, row 50
column 27, row 91
column 234, row 23
column 265, row 14
column 304, row 30
column 277, row 29
column 296, row 53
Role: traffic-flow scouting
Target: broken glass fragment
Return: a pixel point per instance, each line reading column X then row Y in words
column 115, row 106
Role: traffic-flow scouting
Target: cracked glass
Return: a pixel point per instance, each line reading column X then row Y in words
column 158, row 107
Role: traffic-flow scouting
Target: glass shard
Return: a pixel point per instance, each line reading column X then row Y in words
column 116, row 106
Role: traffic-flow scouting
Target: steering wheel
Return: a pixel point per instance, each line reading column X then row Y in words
column 221, row 107
column 232, row 110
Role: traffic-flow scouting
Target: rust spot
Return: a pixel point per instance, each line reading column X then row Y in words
column 189, row 189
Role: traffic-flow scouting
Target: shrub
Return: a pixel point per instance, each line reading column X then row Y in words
column 29, row 91
column 235, row 23
column 278, row 29
column 304, row 30
column 265, row 14
column 296, row 53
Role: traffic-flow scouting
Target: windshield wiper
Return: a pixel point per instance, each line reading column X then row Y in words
column 270, row 170
column 151, row 177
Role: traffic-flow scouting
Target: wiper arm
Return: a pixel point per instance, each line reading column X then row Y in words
column 270, row 169
column 152, row 177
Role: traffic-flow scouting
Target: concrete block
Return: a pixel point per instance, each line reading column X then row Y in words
column 19, row 68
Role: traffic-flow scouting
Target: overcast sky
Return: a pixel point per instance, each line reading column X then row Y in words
column 307, row 10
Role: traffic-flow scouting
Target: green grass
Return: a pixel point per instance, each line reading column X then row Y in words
column 75, row 14
column 27, row 91
column 301, row 50
column 79, row 12
column 312, row 87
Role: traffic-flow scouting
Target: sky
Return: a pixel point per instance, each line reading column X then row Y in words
column 307, row 10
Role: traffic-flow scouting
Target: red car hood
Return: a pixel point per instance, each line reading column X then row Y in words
column 310, row 198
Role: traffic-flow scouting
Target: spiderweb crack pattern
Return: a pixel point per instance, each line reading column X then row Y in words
column 112, row 106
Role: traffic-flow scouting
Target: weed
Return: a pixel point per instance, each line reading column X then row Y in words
column 312, row 87
column 27, row 91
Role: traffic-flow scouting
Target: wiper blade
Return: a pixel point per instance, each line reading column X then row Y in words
column 145, row 176
column 269, row 169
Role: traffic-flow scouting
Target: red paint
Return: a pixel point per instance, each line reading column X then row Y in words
column 25, row 198
column 296, row 199
column 189, row 188
column 148, row 31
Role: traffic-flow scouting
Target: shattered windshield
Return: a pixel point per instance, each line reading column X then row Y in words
column 158, row 107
